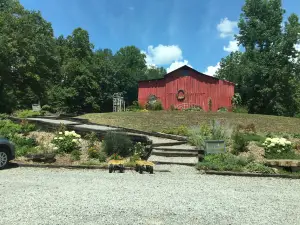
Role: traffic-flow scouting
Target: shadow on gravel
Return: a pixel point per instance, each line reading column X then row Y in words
column 11, row 166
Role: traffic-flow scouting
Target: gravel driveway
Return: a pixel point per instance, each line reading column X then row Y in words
column 61, row 196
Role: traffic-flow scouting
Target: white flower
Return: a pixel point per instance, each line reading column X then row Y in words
column 278, row 150
column 78, row 135
column 60, row 138
column 288, row 142
column 60, row 133
column 268, row 139
column 74, row 140
column 55, row 148
column 55, row 138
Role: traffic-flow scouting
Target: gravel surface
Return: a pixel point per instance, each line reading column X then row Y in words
column 60, row 196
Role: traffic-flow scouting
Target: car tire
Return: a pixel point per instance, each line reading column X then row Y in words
column 110, row 168
column 151, row 170
column 4, row 158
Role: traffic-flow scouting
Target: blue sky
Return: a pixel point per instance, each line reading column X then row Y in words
column 171, row 32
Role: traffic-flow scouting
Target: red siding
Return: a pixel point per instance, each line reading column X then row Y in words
column 198, row 89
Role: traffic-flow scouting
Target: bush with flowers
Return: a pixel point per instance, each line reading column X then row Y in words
column 277, row 146
column 93, row 152
column 66, row 142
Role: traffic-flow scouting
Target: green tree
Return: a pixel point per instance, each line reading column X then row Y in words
column 28, row 58
column 266, row 73
column 77, row 90
column 154, row 73
column 130, row 65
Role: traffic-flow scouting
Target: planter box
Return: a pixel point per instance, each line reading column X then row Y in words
column 215, row 147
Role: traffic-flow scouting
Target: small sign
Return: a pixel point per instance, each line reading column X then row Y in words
column 36, row 107
column 215, row 147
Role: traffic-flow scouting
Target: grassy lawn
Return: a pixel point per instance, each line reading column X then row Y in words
column 159, row 120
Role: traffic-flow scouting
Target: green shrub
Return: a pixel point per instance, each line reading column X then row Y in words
column 239, row 143
column 154, row 106
column 26, row 113
column 181, row 130
column 23, row 141
column 93, row 152
column 117, row 143
column 223, row 162
column 255, row 167
column 214, row 131
column 91, row 138
column 75, row 155
column 222, row 109
column 9, row 129
column 3, row 116
column 66, row 142
column 138, row 151
column 197, row 136
column 296, row 135
column 102, row 156
column 27, row 127
column 23, row 145
column 236, row 100
column 24, row 150
column 135, row 107
column 194, row 108
column 217, row 132
column 48, row 108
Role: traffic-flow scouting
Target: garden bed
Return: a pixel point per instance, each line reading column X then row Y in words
column 244, row 174
column 63, row 147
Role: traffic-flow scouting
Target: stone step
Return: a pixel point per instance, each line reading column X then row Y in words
column 181, row 147
column 157, row 144
column 173, row 153
column 187, row 161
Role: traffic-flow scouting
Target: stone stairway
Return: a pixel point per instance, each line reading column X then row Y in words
column 178, row 153
column 166, row 149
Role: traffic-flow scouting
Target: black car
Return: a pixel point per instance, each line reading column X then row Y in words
column 7, row 152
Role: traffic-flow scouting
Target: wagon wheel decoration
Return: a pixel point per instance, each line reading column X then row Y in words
column 180, row 95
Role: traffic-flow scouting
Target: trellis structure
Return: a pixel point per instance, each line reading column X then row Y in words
column 118, row 102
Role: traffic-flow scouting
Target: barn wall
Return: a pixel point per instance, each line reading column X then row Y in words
column 198, row 89
column 154, row 87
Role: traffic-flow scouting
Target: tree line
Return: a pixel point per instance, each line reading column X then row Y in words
column 267, row 71
column 70, row 75
column 66, row 73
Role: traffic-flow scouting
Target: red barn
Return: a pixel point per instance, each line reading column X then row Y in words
column 185, row 88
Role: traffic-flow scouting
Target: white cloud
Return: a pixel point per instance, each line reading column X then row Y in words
column 177, row 64
column 211, row 70
column 297, row 47
column 232, row 46
column 162, row 54
column 227, row 27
